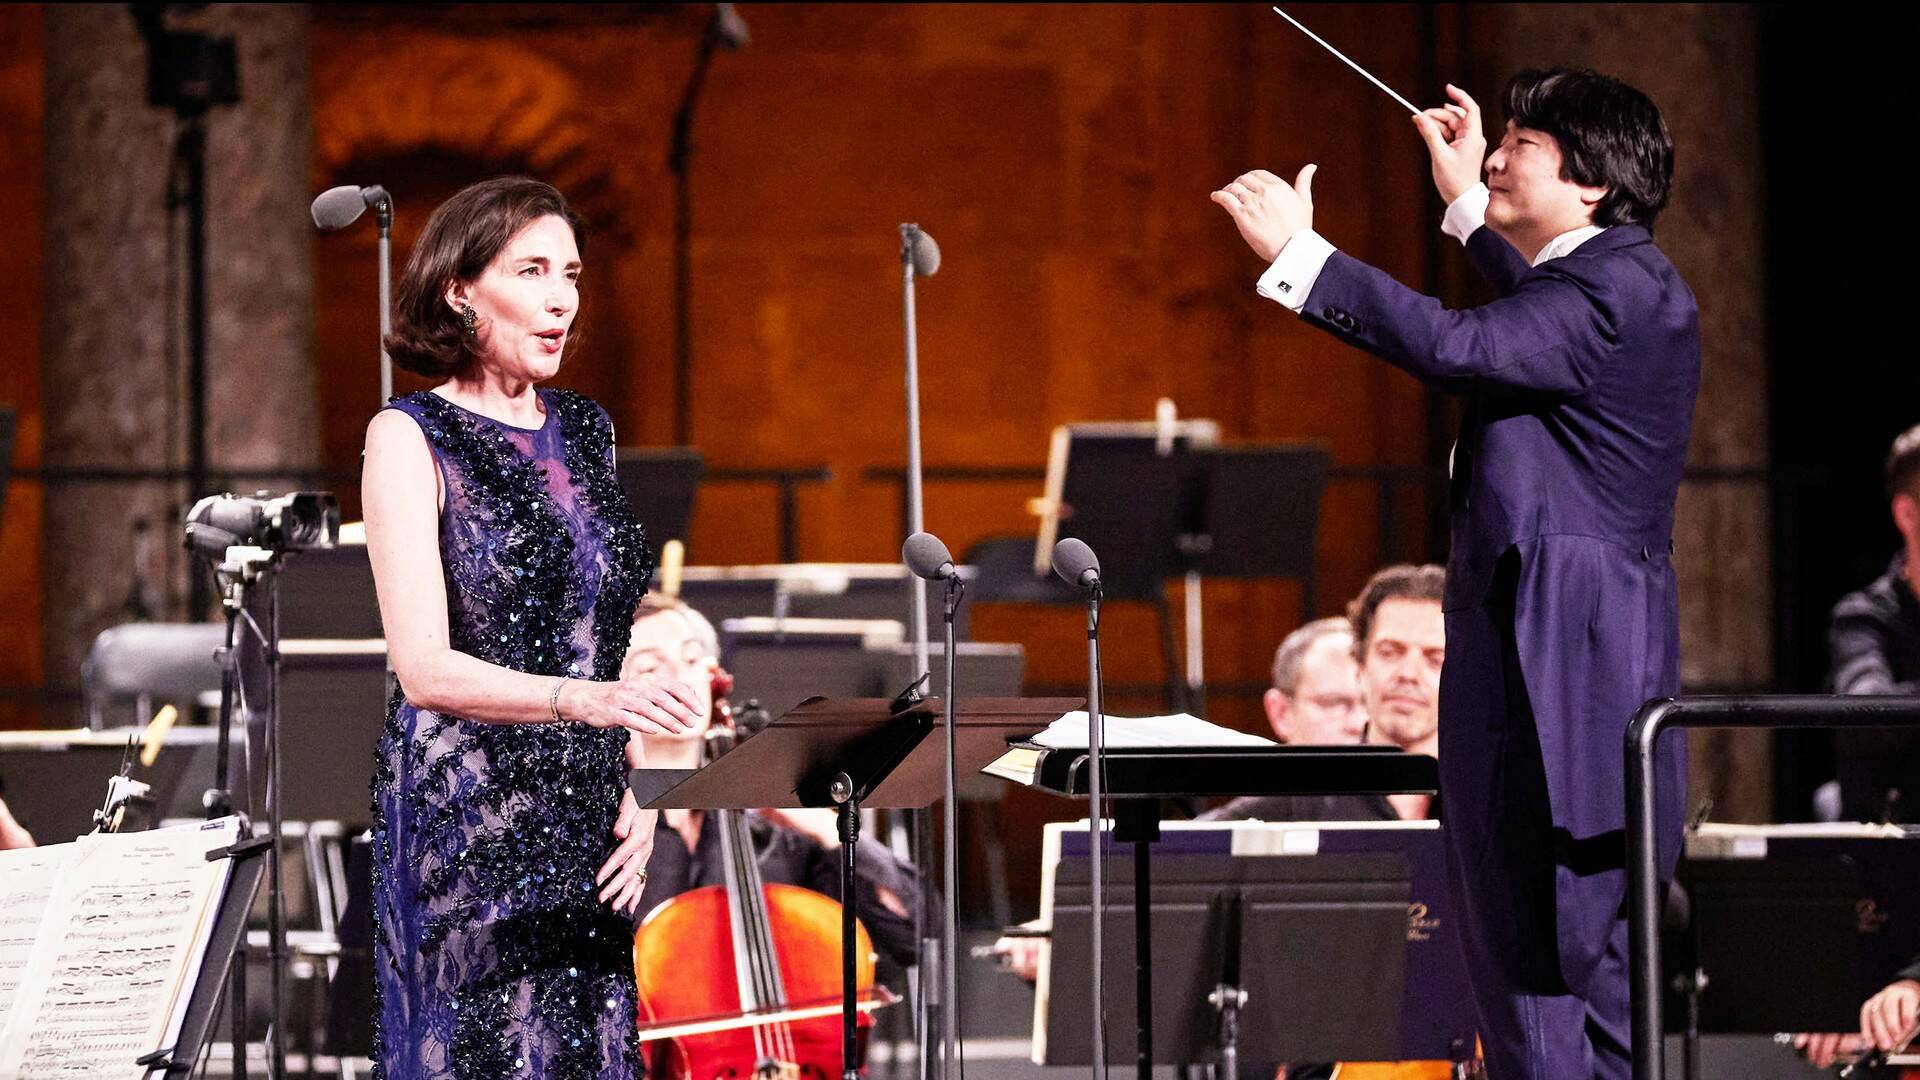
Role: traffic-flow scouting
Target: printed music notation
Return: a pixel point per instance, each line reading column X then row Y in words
column 103, row 976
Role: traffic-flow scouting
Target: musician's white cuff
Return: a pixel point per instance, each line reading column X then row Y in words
column 1288, row 281
column 1466, row 213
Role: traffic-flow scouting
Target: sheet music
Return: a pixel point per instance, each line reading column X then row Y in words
column 26, row 883
column 1141, row 732
column 116, row 954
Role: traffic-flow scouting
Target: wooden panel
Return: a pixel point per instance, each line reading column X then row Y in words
column 21, row 77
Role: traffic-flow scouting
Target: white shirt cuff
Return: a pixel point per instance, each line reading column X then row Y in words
column 1288, row 281
column 1466, row 213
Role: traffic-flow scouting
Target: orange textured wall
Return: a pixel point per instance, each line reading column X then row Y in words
column 1061, row 155
column 21, row 75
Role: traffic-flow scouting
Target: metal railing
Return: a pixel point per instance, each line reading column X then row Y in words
column 1643, row 876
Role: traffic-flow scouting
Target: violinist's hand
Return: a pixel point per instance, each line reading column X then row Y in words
column 1889, row 1015
column 624, row 875
column 1825, row 1049
column 1456, row 142
column 1267, row 210
column 1021, row 955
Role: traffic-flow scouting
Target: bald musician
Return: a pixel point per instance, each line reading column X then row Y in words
column 1561, row 607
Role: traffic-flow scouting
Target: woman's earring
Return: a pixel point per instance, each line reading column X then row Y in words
column 469, row 321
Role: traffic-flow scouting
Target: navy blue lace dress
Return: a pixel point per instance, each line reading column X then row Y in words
column 493, row 956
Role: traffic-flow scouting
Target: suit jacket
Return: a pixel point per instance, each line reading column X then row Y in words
column 1581, row 379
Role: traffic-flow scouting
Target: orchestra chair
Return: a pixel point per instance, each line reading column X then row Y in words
column 150, row 664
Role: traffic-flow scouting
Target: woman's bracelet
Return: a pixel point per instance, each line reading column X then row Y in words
column 553, row 699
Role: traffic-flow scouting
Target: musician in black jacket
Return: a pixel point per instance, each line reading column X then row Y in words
column 1399, row 640
column 1874, row 635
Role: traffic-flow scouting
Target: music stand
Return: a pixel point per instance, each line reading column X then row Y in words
column 1160, row 503
column 849, row 753
column 217, row 968
column 660, row 485
column 1329, row 934
column 1798, row 975
column 1140, row 779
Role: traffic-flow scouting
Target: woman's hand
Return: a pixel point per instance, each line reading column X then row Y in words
column 624, row 875
column 647, row 704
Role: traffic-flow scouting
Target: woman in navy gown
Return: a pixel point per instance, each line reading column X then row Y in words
column 507, row 855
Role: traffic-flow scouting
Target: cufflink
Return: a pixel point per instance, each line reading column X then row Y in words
column 1284, row 287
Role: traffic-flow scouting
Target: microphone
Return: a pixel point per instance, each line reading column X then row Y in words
column 729, row 30
column 1076, row 564
column 919, row 250
column 927, row 557
column 339, row 207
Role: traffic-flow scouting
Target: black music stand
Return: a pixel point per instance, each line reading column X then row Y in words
column 1194, row 511
column 660, row 485
column 849, row 753
column 1327, row 938
column 1799, row 973
column 225, row 950
column 1142, row 780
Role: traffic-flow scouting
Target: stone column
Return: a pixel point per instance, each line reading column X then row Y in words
column 1699, row 63
column 114, row 358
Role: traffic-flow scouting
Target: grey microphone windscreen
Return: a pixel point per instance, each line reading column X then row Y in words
column 728, row 27
column 339, row 207
column 927, row 557
column 1074, row 561
column 921, row 250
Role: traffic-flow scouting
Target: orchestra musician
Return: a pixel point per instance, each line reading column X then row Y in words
column 1562, row 608
column 672, row 640
column 1398, row 638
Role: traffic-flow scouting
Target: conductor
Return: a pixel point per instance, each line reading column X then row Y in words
column 1561, row 609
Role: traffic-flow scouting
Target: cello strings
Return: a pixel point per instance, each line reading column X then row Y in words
column 765, row 962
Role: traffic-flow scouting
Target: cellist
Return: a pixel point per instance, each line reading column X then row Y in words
column 795, row 847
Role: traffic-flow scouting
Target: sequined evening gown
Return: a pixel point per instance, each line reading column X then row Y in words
column 493, row 957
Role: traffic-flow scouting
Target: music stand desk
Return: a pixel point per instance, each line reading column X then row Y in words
column 871, row 751
column 1140, row 779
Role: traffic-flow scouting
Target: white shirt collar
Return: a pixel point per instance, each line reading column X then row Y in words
column 1566, row 242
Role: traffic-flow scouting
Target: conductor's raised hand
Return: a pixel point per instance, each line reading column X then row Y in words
column 648, row 704
column 1267, row 210
column 1456, row 141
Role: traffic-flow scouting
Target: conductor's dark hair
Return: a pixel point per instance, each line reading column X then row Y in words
column 1903, row 464
column 1398, row 582
column 1610, row 136
column 461, row 237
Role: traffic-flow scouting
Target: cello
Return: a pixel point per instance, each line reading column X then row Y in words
column 742, row 980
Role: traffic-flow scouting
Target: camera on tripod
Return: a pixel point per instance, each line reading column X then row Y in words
column 297, row 521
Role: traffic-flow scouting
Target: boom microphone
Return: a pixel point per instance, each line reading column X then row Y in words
column 1074, row 561
column 927, row 557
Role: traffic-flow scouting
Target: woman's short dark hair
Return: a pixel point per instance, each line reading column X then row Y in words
column 1610, row 136
column 462, row 236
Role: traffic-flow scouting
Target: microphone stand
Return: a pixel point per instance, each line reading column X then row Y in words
column 1096, row 723
column 383, row 215
column 930, row 948
column 950, row 999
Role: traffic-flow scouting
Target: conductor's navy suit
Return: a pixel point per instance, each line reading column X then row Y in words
column 1561, row 612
